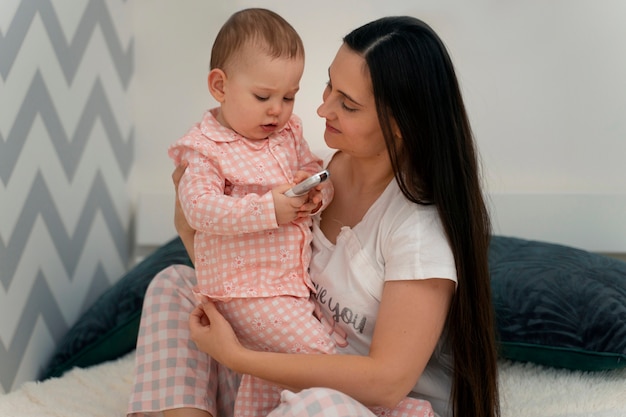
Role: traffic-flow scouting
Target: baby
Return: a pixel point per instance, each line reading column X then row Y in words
column 252, row 245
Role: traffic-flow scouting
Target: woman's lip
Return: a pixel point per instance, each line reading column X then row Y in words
column 332, row 129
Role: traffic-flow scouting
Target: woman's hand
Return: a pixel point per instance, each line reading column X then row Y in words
column 314, row 201
column 314, row 197
column 213, row 335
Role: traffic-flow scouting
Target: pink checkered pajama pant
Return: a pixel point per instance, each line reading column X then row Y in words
column 275, row 324
column 171, row 373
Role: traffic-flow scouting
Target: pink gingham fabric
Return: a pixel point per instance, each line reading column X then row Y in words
column 276, row 324
column 170, row 372
column 325, row 402
column 226, row 196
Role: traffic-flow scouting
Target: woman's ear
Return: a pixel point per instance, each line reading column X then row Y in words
column 396, row 130
column 217, row 81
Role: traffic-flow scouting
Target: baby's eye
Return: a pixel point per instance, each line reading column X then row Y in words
column 260, row 98
column 289, row 98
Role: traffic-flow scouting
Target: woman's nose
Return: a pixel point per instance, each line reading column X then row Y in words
column 319, row 110
column 322, row 110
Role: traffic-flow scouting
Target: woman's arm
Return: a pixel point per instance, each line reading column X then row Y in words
column 184, row 230
column 411, row 319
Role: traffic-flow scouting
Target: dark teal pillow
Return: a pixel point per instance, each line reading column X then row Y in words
column 558, row 306
column 555, row 306
column 109, row 328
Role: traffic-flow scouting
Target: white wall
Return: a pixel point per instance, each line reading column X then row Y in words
column 544, row 81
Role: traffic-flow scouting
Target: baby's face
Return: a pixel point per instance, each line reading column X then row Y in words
column 259, row 93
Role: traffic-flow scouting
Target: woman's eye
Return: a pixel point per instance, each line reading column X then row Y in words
column 346, row 108
column 328, row 89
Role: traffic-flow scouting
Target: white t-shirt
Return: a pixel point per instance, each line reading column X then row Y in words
column 395, row 240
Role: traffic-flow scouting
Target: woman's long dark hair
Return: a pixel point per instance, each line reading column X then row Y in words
column 435, row 162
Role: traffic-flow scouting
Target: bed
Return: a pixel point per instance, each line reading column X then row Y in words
column 561, row 322
column 527, row 390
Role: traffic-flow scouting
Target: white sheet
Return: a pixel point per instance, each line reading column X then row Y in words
column 527, row 391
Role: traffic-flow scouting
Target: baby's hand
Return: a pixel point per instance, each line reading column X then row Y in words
column 314, row 196
column 286, row 208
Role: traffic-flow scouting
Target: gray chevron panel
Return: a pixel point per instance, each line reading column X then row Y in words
column 40, row 204
column 50, row 313
column 58, row 208
column 69, row 55
column 38, row 102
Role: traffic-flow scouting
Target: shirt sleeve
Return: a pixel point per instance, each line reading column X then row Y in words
column 203, row 197
column 417, row 247
column 310, row 162
column 307, row 161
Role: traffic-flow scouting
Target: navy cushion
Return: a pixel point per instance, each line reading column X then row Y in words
column 558, row 306
column 109, row 328
column 555, row 305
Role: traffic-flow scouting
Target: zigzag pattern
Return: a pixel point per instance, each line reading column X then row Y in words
column 65, row 160
column 40, row 203
column 50, row 313
column 69, row 55
column 69, row 150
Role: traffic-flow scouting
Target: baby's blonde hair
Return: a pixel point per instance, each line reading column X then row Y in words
column 258, row 27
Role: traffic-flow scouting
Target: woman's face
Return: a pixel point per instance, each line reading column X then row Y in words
column 349, row 108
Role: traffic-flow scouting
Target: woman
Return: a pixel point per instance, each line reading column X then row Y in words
column 400, row 254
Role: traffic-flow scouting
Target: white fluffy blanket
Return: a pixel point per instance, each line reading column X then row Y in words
column 527, row 391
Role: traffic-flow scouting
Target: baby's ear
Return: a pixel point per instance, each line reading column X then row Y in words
column 216, row 81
